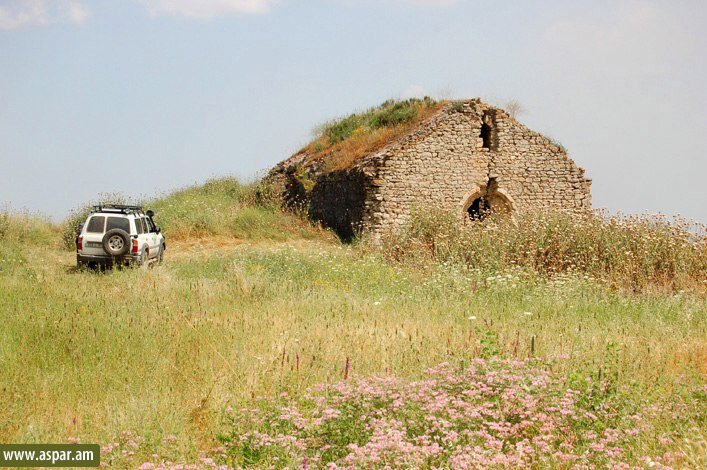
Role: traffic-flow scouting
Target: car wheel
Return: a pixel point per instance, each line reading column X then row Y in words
column 116, row 242
column 160, row 255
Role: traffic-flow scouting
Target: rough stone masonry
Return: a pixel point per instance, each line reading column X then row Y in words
column 469, row 158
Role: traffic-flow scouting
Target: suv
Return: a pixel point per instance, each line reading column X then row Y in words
column 118, row 234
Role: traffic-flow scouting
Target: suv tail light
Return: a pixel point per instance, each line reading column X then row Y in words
column 79, row 244
column 134, row 251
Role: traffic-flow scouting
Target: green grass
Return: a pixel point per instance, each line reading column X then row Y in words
column 226, row 207
column 220, row 207
column 252, row 302
column 389, row 114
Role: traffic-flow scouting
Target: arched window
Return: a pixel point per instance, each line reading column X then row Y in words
column 486, row 135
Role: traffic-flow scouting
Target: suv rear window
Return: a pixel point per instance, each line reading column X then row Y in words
column 96, row 224
column 118, row 222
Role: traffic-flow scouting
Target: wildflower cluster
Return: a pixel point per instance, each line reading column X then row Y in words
column 494, row 413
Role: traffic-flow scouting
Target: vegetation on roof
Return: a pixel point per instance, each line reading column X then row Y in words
column 339, row 143
column 389, row 114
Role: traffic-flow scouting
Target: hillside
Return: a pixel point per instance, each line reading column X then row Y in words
column 263, row 337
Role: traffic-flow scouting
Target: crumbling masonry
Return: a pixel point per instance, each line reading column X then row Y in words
column 467, row 158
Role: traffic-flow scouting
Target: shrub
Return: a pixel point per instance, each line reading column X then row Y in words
column 343, row 128
column 399, row 113
column 77, row 216
column 514, row 108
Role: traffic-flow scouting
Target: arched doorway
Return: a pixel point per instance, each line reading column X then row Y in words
column 479, row 208
column 486, row 200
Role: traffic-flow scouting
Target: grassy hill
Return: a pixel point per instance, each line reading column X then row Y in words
column 264, row 341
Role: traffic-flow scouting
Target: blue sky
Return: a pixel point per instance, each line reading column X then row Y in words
column 140, row 96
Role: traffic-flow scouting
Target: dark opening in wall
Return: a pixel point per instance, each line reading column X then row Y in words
column 479, row 209
column 338, row 201
column 486, row 135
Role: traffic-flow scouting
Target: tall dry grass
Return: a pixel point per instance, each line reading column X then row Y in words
column 635, row 252
column 26, row 227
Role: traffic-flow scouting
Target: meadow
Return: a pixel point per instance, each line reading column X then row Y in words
column 263, row 341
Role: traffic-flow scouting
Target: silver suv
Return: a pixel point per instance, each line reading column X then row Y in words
column 119, row 235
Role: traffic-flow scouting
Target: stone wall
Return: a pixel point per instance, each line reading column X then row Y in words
column 466, row 151
column 447, row 164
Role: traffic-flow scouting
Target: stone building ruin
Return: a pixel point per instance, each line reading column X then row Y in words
column 466, row 157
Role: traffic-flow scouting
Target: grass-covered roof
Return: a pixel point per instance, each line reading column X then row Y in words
column 339, row 143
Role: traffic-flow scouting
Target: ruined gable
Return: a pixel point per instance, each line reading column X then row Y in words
column 467, row 157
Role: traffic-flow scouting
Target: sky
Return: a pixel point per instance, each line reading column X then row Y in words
column 141, row 97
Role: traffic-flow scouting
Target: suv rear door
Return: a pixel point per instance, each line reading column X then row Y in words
column 93, row 232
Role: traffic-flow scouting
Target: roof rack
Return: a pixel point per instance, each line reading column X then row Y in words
column 122, row 208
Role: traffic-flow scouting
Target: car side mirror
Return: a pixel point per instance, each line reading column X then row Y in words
column 158, row 229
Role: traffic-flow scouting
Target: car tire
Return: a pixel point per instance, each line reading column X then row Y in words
column 116, row 242
column 160, row 255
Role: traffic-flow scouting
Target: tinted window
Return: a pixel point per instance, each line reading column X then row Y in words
column 118, row 222
column 150, row 225
column 138, row 226
column 96, row 224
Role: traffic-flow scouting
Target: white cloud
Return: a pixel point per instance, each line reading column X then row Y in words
column 414, row 91
column 20, row 14
column 206, row 9
column 77, row 13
